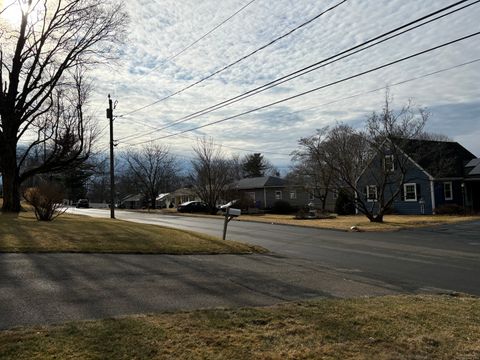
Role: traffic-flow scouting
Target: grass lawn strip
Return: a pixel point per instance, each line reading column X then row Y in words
column 391, row 222
column 394, row 327
column 70, row 233
column 343, row 222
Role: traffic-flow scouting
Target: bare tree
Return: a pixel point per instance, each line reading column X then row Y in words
column 310, row 167
column 376, row 153
column 42, row 92
column 211, row 174
column 154, row 169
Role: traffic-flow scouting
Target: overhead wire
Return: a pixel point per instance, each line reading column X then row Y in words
column 170, row 58
column 288, row 33
column 319, row 87
column 423, row 76
column 315, row 66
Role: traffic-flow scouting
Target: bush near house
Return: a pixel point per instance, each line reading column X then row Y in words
column 282, row 207
column 450, row 209
column 345, row 203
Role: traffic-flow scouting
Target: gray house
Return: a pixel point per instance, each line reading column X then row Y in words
column 436, row 174
column 266, row 190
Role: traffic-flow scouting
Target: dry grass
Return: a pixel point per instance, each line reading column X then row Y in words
column 391, row 222
column 404, row 327
column 69, row 233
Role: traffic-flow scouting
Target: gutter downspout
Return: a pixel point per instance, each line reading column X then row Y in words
column 432, row 194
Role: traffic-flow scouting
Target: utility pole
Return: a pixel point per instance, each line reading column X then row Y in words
column 112, row 168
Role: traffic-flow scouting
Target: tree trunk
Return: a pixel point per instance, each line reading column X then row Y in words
column 377, row 218
column 153, row 203
column 11, row 186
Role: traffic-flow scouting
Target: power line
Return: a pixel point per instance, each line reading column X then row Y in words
column 199, row 39
column 318, row 88
column 315, row 66
column 335, row 101
column 238, row 60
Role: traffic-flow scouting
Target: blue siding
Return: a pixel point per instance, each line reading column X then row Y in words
column 423, row 205
column 456, row 192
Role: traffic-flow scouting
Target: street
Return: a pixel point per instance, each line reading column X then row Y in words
column 445, row 257
column 303, row 263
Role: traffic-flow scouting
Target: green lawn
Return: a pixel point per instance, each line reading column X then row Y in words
column 401, row 327
column 69, row 233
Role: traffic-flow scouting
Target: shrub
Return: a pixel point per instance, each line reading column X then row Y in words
column 46, row 200
column 282, row 207
column 450, row 209
column 345, row 204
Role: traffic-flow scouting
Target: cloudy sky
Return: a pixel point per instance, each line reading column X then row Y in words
column 148, row 70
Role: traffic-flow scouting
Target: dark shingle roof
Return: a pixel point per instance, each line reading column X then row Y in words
column 440, row 159
column 473, row 167
column 260, row 182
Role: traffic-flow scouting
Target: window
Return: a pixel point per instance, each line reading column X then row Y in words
column 278, row 195
column 410, row 192
column 334, row 193
column 293, row 194
column 388, row 163
column 311, row 197
column 448, row 190
column 371, row 193
column 251, row 195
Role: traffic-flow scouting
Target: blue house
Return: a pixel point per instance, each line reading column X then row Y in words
column 422, row 177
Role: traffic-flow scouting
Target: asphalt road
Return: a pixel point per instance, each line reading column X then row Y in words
column 304, row 263
column 444, row 257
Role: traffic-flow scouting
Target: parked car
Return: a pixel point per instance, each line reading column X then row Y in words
column 192, row 206
column 83, row 203
column 232, row 203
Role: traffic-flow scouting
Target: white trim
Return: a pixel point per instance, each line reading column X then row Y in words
column 451, row 190
column 405, row 192
column 368, row 193
column 432, row 195
column 392, row 164
column 294, row 193
column 281, row 195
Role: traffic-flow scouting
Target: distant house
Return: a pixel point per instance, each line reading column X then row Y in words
column 183, row 195
column 437, row 174
column 266, row 190
column 132, row 202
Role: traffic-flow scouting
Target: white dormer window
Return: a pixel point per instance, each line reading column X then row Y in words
column 371, row 193
column 389, row 163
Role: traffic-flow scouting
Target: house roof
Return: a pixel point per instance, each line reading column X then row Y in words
column 162, row 197
column 183, row 192
column 441, row 159
column 260, row 182
column 137, row 197
column 473, row 167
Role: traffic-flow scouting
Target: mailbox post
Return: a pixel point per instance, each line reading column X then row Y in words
column 229, row 215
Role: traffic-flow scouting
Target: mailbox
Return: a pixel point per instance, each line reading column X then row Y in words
column 234, row 212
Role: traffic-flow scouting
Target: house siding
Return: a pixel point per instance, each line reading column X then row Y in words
column 423, row 204
column 456, row 192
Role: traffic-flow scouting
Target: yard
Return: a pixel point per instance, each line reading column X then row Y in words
column 69, row 233
column 391, row 222
column 397, row 327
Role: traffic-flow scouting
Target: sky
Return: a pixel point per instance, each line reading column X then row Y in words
column 147, row 70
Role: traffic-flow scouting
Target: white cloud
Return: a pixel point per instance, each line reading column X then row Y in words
column 160, row 29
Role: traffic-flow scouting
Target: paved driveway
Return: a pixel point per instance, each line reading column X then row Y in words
column 53, row 288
